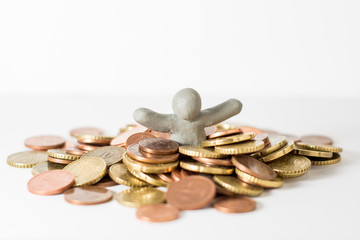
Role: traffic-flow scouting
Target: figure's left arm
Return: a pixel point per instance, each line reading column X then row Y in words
column 221, row 112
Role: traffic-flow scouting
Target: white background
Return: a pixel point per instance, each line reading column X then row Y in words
column 293, row 64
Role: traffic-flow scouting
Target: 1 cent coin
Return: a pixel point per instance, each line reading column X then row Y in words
column 88, row 195
column 45, row 142
column 51, row 182
column 238, row 204
column 157, row 213
column 158, row 146
column 193, row 192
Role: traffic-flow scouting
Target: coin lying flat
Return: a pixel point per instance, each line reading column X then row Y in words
column 312, row 153
column 253, row 167
column 111, row 154
column 44, row 142
column 195, row 166
column 279, row 153
column 198, row 151
column 87, row 170
column 158, row 146
column 134, row 152
column 45, row 166
column 87, row 147
column 290, row 166
column 326, row 161
column 235, row 185
column 94, row 139
column 26, row 159
column 157, row 212
column 121, row 175
column 316, row 139
column 61, row 154
column 148, row 167
column 225, row 133
column 275, row 183
column 137, row 137
column 51, row 182
column 318, row 147
column 58, row 160
column 228, row 139
column 85, row 131
column 88, row 195
column 240, row 148
column 238, row 204
column 137, row 197
column 193, row 192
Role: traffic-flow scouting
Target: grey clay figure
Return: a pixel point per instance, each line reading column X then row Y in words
column 187, row 123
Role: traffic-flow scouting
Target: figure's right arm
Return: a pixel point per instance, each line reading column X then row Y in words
column 153, row 120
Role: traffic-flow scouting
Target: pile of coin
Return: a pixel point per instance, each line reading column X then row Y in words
column 231, row 165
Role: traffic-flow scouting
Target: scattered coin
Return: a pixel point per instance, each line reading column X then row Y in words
column 238, row 204
column 58, row 160
column 225, row 133
column 45, row 166
column 88, row 195
column 50, row 182
column 290, row 166
column 279, row 153
column 26, row 159
column 157, row 212
column 137, row 137
column 312, row 153
column 111, row 154
column 317, row 147
column 158, row 146
column 149, row 167
column 134, row 152
column 61, row 154
column 198, row 151
column 275, row 183
column 235, row 185
column 193, row 192
column 87, row 147
column 316, row 139
column 228, row 139
column 44, row 142
column 326, row 161
column 276, row 142
column 137, row 197
column 94, row 139
column 240, row 148
column 195, row 166
column 85, row 131
column 121, row 175
column 226, row 162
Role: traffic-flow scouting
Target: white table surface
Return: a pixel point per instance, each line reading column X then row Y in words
column 322, row 204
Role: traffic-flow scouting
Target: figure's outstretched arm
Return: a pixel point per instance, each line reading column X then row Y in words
column 221, row 112
column 153, row 120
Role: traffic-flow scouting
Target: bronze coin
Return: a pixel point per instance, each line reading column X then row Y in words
column 237, row 204
column 226, row 133
column 161, row 134
column 214, row 161
column 246, row 129
column 210, row 130
column 87, row 147
column 122, row 137
column 175, row 175
column 51, row 182
column 162, row 212
column 263, row 137
column 106, row 182
column 44, row 142
column 166, row 177
column 316, row 139
column 68, row 144
column 93, row 141
column 88, row 195
column 158, row 146
column 75, row 151
column 86, row 131
column 137, row 137
column 58, row 160
column 253, row 167
column 193, row 192
column 134, row 152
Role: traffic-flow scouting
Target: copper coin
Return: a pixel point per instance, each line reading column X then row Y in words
column 238, row 204
column 175, row 175
column 106, row 182
column 166, row 177
column 214, row 161
column 88, row 195
column 51, row 182
column 75, row 151
column 86, row 131
column 246, row 129
column 317, row 139
column 122, row 137
column 68, row 144
column 44, row 142
column 158, row 146
column 193, row 192
column 137, row 137
column 253, row 167
column 263, row 137
column 98, row 142
column 161, row 134
column 226, row 133
column 210, row 130
column 87, row 147
column 58, row 160
column 162, row 212
column 134, row 152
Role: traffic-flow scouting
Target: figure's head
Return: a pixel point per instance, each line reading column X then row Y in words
column 186, row 104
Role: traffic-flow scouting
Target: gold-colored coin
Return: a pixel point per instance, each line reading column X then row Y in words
column 152, row 179
column 326, row 161
column 95, row 137
column 279, row 153
column 120, row 174
column 45, row 166
column 198, row 151
column 290, row 166
column 136, row 197
column 61, row 154
column 235, row 185
column 228, row 139
column 316, row 147
column 87, row 171
column 276, row 183
column 240, row 148
column 195, row 166
column 312, row 153
column 111, row 154
column 224, row 127
column 27, row 159
column 276, row 142
column 149, row 167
